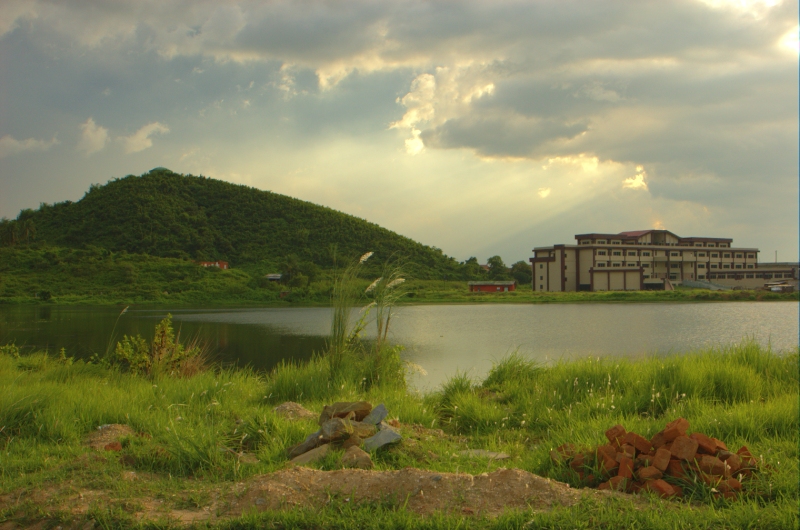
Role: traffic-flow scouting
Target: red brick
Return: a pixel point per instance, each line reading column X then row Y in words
column 684, row 448
column 644, row 460
column 662, row 488
column 641, row 443
column 734, row 484
column 604, row 486
column 675, row 428
column 635, row 487
column 577, row 462
column 609, row 465
column 618, row 483
column 711, row 480
column 649, row 473
column 713, row 465
column 675, row 469
column 617, row 431
column 658, row 440
column 661, row 459
column 628, row 450
column 566, row 450
column 678, row 490
column 748, row 460
column 720, row 445
column 704, row 443
column 734, row 461
column 625, row 468
column 607, row 450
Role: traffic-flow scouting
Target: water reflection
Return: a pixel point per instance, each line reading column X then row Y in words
column 441, row 339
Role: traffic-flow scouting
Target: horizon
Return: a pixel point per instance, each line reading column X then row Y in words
column 480, row 129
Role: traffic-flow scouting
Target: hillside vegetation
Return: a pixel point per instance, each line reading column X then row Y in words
column 165, row 214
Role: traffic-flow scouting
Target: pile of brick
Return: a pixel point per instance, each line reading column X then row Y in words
column 664, row 464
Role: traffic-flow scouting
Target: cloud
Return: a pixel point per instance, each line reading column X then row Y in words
column 93, row 137
column 140, row 140
column 544, row 192
column 11, row 146
column 637, row 181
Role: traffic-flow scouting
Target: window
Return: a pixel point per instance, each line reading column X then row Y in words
column 739, row 255
column 726, row 266
column 767, row 276
column 701, row 265
column 674, row 265
column 646, row 253
column 726, row 255
column 541, row 278
column 698, row 244
column 673, row 276
column 714, row 266
column 701, row 276
column 645, row 276
column 601, row 264
column 748, row 275
column 731, row 276
column 714, row 255
column 601, row 241
column 751, row 256
column 674, row 254
column 710, row 245
column 751, row 266
column 738, row 266
column 723, row 244
column 586, row 241
column 631, row 264
column 541, row 266
column 616, row 242
column 601, row 252
column 617, row 253
column 616, row 264
column 631, row 253
column 541, row 287
column 646, row 265
column 701, row 254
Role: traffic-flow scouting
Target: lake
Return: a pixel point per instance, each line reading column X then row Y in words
column 442, row 339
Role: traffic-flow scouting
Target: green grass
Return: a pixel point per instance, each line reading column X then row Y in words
column 744, row 395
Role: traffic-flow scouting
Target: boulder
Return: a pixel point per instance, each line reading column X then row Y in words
column 337, row 429
column 312, row 440
column 355, row 410
column 355, row 457
column 293, row 411
column 376, row 416
column 312, row 455
column 385, row 436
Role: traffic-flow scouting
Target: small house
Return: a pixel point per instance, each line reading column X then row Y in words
column 492, row 286
column 273, row 277
column 218, row 264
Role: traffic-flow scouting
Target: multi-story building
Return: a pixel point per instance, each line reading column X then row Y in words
column 649, row 259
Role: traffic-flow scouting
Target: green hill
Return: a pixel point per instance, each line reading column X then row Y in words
column 165, row 214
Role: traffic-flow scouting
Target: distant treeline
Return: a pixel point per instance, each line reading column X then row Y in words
column 165, row 214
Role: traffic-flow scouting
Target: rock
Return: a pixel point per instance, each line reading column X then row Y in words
column 355, row 457
column 385, row 436
column 248, row 458
column 343, row 409
column 377, row 415
column 338, row 428
column 353, row 441
column 312, row 455
column 482, row 453
column 293, row 411
column 312, row 440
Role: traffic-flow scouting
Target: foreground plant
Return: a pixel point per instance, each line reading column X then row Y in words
column 164, row 355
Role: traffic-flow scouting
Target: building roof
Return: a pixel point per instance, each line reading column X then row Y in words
column 512, row 282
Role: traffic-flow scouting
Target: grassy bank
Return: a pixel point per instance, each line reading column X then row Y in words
column 191, row 431
column 95, row 276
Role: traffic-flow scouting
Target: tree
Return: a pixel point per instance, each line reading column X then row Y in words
column 497, row 269
column 473, row 269
column 521, row 272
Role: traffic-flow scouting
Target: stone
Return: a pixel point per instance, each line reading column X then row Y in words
column 384, row 437
column 343, row 409
column 338, row 429
column 313, row 455
column 482, row 453
column 353, row 441
column 658, row 440
column 617, row 431
column 293, row 411
column 684, row 448
column 675, row 469
column 705, row 444
column 377, row 415
column 312, row 440
column 661, row 459
column 357, row 458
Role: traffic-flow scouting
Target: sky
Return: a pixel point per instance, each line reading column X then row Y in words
column 479, row 127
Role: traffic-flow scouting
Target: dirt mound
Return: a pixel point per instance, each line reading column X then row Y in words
column 106, row 435
column 421, row 491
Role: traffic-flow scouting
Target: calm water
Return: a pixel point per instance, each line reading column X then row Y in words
column 442, row 339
